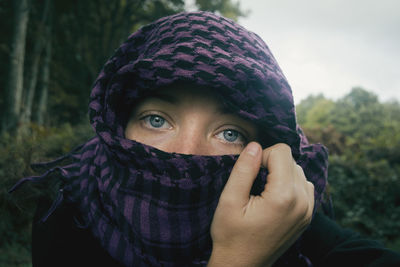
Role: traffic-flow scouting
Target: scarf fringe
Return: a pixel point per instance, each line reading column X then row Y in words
column 46, row 175
column 51, row 163
column 56, row 203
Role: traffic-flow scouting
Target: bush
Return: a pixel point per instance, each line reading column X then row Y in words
column 363, row 138
column 17, row 209
column 366, row 198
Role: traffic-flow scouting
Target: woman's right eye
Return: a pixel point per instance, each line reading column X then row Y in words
column 156, row 121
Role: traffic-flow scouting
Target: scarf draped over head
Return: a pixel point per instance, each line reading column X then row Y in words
column 151, row 208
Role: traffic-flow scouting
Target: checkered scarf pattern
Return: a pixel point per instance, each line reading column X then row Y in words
column 151, row 208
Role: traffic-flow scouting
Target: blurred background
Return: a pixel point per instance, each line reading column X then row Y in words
column 341, row 59
column 331, row 46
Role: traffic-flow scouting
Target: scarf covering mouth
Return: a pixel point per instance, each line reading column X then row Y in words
column 152, row 208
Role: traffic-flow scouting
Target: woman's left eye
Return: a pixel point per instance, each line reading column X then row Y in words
column 231, row 136
column 156, row 121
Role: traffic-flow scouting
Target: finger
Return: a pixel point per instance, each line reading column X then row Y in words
column 307, row 186
column 300, row 178
column 311, row 197
column 237, row 189
column 279, row 162
column 308, row 192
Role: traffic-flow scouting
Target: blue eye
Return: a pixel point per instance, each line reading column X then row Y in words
column 231, row 135
column 156, row 121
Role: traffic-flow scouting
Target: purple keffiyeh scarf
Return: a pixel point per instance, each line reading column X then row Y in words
column 151, row 208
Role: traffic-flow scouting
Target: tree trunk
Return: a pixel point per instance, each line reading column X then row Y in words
column 44, row 83
column 33, row 72
column 13, row 92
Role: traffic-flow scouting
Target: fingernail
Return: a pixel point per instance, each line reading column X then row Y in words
column 252, row 149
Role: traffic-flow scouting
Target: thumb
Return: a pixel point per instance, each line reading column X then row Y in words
column 279, row 162
column 237, row 189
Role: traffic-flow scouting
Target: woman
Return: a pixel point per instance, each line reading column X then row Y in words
column 161, row 184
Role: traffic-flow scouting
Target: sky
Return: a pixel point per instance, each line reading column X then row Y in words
column 331, row 46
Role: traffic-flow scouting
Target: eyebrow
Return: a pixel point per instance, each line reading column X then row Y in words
column 169, row 98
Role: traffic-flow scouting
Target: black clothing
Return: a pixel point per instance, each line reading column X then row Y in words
column 328, row 244
column 60, row 242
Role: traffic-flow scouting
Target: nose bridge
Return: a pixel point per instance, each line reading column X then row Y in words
column 190, row 139
column 185, row 146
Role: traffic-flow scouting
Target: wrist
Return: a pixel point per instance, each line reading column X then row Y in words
column 236, row 258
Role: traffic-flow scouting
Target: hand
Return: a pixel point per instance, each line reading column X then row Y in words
column 256, row 230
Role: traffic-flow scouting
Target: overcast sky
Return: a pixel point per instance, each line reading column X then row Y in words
column 330, row 46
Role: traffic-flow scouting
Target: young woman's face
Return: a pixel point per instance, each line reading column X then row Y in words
column 188, row 122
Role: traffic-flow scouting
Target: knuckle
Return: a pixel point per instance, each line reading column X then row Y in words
column 307, row 220
column 310, row 184
column 286, row 201
column 305, row 214
column 300, row 199
column 283, row 147
column 303, row 207
column 303, row 202
column 300, row 170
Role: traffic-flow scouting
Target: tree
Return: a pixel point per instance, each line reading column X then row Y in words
column 363, row 137
column 226, row 7
column 42, row 33
column 84, row 35
column 45, row 80
column 14, row 87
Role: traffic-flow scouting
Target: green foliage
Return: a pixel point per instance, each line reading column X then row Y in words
column 17, row 208
column 363, row 137
column 225, row 7
column 84, row 34
column 366, row 197
column 15, row 255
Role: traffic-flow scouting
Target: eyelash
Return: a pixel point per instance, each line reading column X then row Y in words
column 147, row 120
column 240, row 136
column 240, row 141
